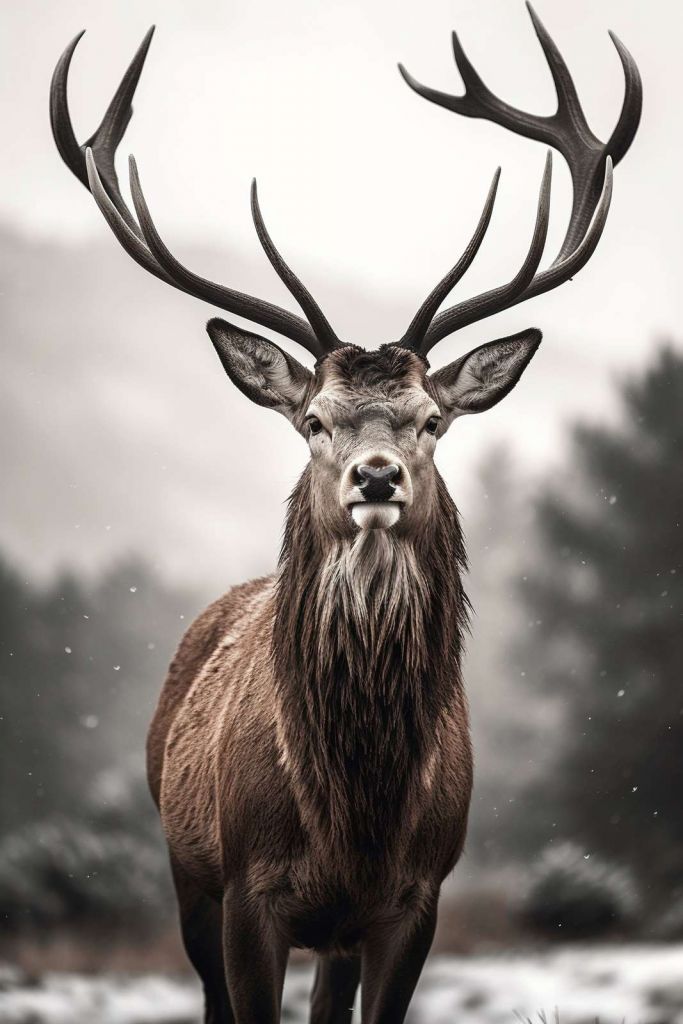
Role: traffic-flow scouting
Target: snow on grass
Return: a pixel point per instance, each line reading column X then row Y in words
column 641, row 984
column 636, row 983
column 77, row 999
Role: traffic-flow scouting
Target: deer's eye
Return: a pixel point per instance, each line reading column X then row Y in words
column 314, row 425
column 432, row 424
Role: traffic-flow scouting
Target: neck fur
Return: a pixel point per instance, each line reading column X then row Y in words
column 367, row 641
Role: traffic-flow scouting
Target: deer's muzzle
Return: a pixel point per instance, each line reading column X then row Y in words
column 375, row 488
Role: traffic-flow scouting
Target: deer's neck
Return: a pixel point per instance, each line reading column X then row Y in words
column 367, row 642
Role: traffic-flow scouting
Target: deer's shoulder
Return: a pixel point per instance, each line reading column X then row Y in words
column 227, row 615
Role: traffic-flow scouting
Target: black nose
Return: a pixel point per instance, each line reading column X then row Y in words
column 377, row 482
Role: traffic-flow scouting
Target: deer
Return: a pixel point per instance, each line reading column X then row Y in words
column 310, row 755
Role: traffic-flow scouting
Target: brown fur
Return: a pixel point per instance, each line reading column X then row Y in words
column 310, row 753
column 317, row 718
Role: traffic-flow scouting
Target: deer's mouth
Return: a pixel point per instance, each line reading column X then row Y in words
column 376, row 515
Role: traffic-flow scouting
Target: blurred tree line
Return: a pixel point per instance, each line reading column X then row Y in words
column 606, row 591
column 81, row 665
column 589, row 671
column 574, row 677
column 80, row 670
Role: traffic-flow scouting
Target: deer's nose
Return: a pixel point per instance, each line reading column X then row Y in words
column 377, row 483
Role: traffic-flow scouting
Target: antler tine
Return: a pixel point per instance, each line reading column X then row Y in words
column 62, row 129
column 93, row 164
column 621, row 138
column 572, row 136
column 131, row 239
column 105, row 140
column 559, row 130
column 257, row 310
column 505, row 295
column 465, row 313
column 590, row 163
column 314, row 314
column 417, row 329
column 563, row 269
column 165, row 266
column 568, row 103
column 479, row 101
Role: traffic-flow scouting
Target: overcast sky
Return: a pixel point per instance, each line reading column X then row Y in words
column 369, row 191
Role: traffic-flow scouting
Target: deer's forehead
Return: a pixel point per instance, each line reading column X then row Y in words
column 344, row 404
column 391, row 385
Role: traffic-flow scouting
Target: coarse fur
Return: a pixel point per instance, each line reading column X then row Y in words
column 311, row 748
column 367, row 639
column 335, row 687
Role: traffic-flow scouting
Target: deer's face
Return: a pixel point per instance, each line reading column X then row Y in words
column 372, row 420
column 372, row 424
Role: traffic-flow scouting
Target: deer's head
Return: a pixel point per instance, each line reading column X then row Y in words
column 373, row 419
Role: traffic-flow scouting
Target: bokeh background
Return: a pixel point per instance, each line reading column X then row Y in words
column 138, row 484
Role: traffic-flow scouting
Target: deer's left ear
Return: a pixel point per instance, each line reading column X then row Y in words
column 479, row 380
column 262, row 371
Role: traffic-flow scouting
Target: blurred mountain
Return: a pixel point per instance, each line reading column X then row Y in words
column 115, row 438
column 119, row 431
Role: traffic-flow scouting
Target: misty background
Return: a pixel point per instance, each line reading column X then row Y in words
column 117, row 415
column 138, row 484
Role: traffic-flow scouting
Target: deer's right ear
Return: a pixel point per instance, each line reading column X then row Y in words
column 261, row 370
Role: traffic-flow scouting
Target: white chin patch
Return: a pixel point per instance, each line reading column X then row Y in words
column 375, row 515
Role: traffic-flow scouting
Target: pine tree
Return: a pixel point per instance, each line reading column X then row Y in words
column 607, row 595
column 81, row 666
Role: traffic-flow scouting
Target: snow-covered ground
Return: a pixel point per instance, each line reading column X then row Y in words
column 639, row 984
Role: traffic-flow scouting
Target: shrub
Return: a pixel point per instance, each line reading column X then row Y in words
column 64, row 873
column 668, row 927
column 574, row 895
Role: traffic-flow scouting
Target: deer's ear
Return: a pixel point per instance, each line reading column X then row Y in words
column 261, row 370
column 478, row 380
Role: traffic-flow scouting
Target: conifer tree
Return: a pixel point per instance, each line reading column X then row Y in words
column 607, row 594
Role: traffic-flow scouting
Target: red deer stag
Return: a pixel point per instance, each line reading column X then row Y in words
column 310, row 754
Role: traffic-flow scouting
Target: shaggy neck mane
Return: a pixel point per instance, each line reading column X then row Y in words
column 367, row 641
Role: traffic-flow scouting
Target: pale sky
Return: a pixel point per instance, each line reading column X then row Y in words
column 368, row 190
column 359, row 177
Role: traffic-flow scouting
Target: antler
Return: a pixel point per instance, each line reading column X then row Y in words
column 590, row 163
column 93, row 165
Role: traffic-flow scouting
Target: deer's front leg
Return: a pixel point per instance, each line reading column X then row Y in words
column 255, row 959
column 392, row 961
